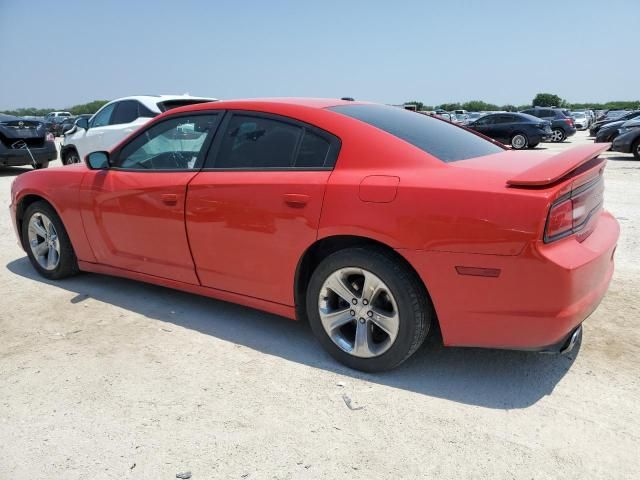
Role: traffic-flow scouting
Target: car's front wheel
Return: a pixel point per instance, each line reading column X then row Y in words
column 635, row 149
column 46, row 241
column 38, row 166
column 558, row 135
column 71, row 157
column 367, row 309
column 519, row 141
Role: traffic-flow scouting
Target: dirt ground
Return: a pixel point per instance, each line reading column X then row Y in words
column 104, row 378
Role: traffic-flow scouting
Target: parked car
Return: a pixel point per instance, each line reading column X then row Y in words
column 610, row 131
column 58, row 125
column 293, row 207
column 516, row 129
column 83, row 117
column 628, row 139
column 116, row 120
column 595, row 128
column 51, row 115
column 561, row 125
column 25, row 142
column 581, row 120
column 473, row 116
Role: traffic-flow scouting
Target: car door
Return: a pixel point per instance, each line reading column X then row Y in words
column 255, row 207
column 90, row 140
column 484, row 125
column 502, row 128
column 125, row 120
column 133, row 212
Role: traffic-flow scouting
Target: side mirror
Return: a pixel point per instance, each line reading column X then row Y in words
column 83, row 123
column 97, row 160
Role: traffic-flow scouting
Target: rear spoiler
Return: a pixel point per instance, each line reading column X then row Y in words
column 554, row 168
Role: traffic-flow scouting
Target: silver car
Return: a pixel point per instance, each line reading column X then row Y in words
column 581, row 120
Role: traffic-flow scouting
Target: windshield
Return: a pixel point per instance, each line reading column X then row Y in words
column 443, row 140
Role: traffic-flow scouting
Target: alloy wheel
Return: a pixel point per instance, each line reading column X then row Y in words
column 358, row 312
column 557, row 135
column 44, row 241
column 518, row 142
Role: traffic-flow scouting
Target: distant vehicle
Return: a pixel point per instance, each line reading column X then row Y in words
column 462, row 118
column 516, row 129
column 116, row 120
column 628, row 139
column 581, row 120
column 460, row 112
column 51, row 115
column 473, row 116
column 25, row 142
column 449, row 117
column 561, row 125
column 58, row 125
column 593, row 130
column 69, row 131
column 609, row 132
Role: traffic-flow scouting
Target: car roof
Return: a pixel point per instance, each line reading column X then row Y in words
column 151, row 101
column 259, row 103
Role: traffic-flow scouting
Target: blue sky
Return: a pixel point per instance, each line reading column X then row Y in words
column 57, row 54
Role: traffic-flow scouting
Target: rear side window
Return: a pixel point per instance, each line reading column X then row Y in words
column 254, row 142
column 126, row 112
column 443, row 140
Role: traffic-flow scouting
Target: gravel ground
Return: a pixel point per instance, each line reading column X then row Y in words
column 105, row 378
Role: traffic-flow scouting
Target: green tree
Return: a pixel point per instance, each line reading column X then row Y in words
column 547, row 100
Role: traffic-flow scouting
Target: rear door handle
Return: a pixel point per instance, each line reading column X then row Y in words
column 296, row 200
column 170, row 199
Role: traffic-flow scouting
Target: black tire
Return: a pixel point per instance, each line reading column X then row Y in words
column 414, row 306
column 40, row 166
column 519, row 141
column 563, row 136
column 71, row 156
column 68, row 264
column 635, row 149
column 533, row 145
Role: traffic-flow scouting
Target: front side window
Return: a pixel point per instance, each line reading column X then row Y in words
column 103, row 116
column 174, row 144
column 443, row 140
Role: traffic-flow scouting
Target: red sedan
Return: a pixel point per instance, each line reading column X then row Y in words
column 372, row 222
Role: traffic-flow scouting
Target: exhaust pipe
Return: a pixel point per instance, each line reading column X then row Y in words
column 573, row 339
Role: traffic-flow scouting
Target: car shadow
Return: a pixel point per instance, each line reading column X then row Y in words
column 13, row 171
column 497, row 379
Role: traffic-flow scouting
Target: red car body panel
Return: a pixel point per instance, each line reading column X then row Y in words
column 240, row 235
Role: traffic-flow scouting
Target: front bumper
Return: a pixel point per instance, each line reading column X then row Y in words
column 623, row 143
column 13, row 157
column 539, row 298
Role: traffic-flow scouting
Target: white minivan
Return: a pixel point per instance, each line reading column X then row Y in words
column 115, row 121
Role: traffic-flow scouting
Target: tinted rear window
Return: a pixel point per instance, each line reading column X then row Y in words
column 440, row 139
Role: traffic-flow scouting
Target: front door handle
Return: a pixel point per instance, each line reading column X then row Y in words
column 170, row 199
column 296, row 200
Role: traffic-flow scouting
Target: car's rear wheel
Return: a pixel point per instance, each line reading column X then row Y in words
column 519, row 141
column 635, row 149
column 558, row 135
column 47, row 243
column 71, row 156
column 367, row 309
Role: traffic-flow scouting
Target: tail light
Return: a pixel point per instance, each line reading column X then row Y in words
column 572, row 213
column 569, row 121
column 50, row 137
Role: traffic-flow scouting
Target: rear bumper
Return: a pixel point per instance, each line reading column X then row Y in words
column 539, row 298
column 12, row 157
